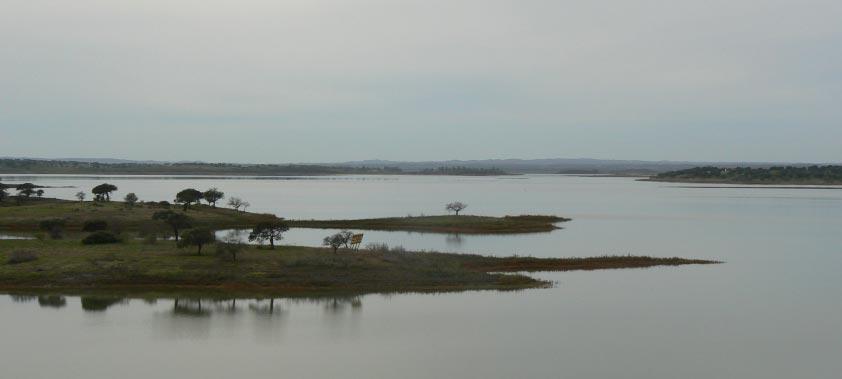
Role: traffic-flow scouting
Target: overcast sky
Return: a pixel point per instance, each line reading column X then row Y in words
column 334, row 80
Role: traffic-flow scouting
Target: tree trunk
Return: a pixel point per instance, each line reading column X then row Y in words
column 272, row 243
column 200, row 249
column 175, row 232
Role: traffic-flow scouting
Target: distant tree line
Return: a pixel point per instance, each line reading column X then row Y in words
column 463, row 170
column 787, row 174
column 35, row 166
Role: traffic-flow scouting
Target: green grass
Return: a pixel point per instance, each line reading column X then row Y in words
column 68, row 265
column 26, row 216
column 443, row 224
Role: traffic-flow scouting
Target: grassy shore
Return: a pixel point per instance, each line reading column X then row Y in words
column 26, row 216
column 443, row 224
column 68, row 265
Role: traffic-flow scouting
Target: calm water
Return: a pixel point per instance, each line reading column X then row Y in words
column 774, row 310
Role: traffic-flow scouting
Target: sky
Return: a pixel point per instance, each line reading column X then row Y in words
column 338, row 80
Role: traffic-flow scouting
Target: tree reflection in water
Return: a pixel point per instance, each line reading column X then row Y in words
column 189, row 308
column 100, row 303
column 454, row 240
column 204, row 307
column 52, row 301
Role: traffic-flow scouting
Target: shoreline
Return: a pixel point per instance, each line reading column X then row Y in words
column 133, row 266
column 464, row 224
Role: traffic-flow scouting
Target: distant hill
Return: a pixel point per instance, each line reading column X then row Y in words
column 572, row 166
column 569, row 166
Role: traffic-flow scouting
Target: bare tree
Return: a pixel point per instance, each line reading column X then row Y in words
column 81, row 196
column 347, row 235
column 456, row 207
column 236, row 203
column 230, row 245
column 245, row 205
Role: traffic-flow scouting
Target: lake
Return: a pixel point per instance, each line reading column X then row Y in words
column 773, row 310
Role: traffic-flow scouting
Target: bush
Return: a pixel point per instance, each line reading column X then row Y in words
column 100, row 237
column 54, row 227
column 94, row 225
column 21, row 256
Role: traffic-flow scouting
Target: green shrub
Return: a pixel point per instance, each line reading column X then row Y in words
column 100, row 237
column 21, row 256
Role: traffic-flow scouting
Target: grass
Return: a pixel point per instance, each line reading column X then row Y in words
column 443, row 224
column 27, row 216
column 68, row 265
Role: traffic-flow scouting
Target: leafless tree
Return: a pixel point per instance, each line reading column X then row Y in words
column 236, row 203
column 456, row 207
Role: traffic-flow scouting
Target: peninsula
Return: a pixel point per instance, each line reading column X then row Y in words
column 779, row 175
column 111, row 245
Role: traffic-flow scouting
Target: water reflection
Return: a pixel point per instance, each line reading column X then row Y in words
column 201, row 307
column 189, row 308
column 454, row 240
column 100, row 304
column 52, row 301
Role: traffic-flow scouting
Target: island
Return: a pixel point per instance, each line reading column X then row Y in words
column 788, row 175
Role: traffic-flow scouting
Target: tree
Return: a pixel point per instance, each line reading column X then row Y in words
column 176, row 221
column 347, row 235
column 130, row 199
column 26, row 190
column 236, row 203
column 53, row 226
column 3, row 193
column 269, row 230
column 230, row 245
column 39, row 193
column 103, row 192
column 456, row 207
column 335, row 241
column 213, row 195
column 81, row 196
column 187, row 197
column 245, row 205
column 197, row 237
